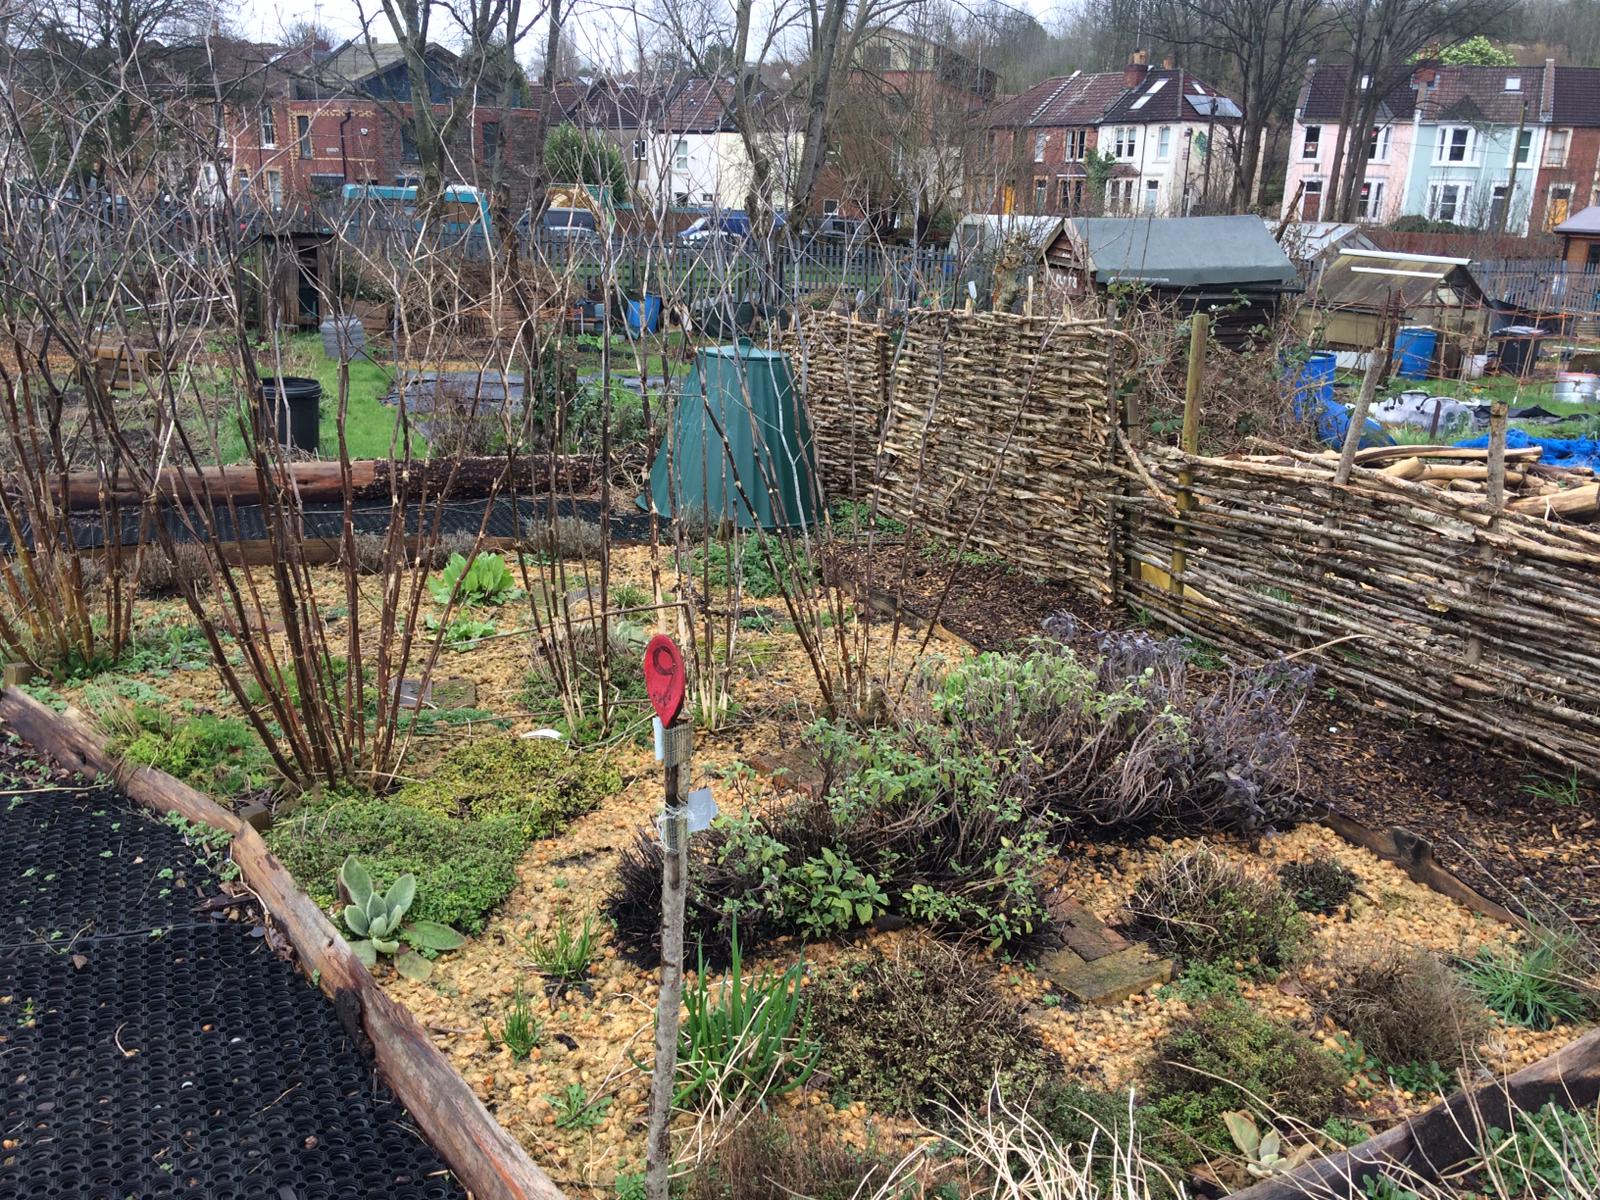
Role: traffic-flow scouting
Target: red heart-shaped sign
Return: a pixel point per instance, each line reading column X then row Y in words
column 664, row 677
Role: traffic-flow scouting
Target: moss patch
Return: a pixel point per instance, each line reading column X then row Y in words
column 460, row 831
column 538, row 783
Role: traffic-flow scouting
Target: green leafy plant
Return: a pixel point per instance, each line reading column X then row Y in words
column 1535, row 988
column 565, row 954
column 1554, row 1152
column 1263, row 1150
column 462, row 631
column 378, row 921
column 219, row 755
column 211, row 845
column 746, row 1039
column 1201, row 981
column 488, row 579
column 576, row 1109
column 757, row 561
column 1382, row 1187
column 829, row 893
column 1343, row 1132
column 521, row 1031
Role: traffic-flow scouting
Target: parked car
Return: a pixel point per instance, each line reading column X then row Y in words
column 730, row 226
column 834, row 228
column 571, row 225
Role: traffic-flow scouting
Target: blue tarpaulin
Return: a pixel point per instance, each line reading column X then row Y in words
column 1333, row 422
column 1558, row 452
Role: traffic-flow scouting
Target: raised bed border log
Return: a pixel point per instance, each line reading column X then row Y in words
column 487, row 1160
column 1438, row 1138
column 323, row 482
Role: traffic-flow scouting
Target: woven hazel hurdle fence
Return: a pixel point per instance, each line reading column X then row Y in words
column 989, row 428
column 1421, row 602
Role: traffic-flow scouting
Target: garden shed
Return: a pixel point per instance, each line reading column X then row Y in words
column 1580, row 239
column 1229, row 265
column 1359, row 285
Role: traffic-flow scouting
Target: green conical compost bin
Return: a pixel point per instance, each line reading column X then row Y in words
column 749, row 395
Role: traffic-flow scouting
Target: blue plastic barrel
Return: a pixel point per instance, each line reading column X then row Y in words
column 1316, row 376
column 646, row 313
column 1413, row 351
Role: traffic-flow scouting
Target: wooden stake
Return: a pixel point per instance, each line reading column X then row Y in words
column 1199, row 334
column 678, row 742
column 1377, row 368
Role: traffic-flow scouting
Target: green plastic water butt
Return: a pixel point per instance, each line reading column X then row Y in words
column 749, row 395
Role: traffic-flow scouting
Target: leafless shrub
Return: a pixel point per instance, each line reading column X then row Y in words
column 1405, row 1005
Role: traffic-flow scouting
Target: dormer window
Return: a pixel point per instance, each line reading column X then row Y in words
column 1514, row 83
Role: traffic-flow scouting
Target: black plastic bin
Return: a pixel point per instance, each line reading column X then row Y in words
column 297, row 401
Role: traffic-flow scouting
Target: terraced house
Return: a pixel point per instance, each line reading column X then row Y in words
column 1170, row 137
column 1501, row 149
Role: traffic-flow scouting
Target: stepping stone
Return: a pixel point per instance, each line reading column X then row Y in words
column 1097, row 965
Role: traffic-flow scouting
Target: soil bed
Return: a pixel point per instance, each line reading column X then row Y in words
column 155, row 1050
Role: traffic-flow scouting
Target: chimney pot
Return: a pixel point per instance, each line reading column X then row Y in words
column 1168, row 62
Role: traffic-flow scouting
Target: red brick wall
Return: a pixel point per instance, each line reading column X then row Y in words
column 1582, row 156
column 1014, row 151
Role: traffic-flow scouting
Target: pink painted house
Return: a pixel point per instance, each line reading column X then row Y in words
column 1315, row 138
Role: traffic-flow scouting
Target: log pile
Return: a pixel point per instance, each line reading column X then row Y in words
column 1553, row 493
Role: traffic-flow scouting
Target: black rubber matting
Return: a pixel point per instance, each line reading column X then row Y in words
column 507, row 518
column 149, row 1051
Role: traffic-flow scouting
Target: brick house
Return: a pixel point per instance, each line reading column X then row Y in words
column 1171, row 135
column 1569, row 167
column 325, row 120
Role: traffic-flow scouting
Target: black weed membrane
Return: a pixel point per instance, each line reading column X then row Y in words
column 150, row 1050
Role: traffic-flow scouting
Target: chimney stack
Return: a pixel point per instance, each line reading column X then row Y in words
column 1138, row 67
column 1169, row 62
column 1547, row 92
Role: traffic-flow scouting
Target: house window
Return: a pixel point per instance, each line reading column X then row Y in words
column 830, row 208
column 408, row 146
column 680, row 155
column 1454, row 145
column 639, row 149
column 244, row 179
column 1524, row 147
column 1366, row 82
column 681, row 199
column 1311, row 200
column 326, row 185
column 491, row 141
column 1152, row 195
column 1369, row 201
column 1040, row 191
column 269, row 130
column 706, row 197
column 1164, row 142
column 1378, row 144
column 1077, row 144
column 1040, row 140
column 1126, row 143
column 1555, row 147
column 1449, row 201
column 1558, row 206
column 275, row 189
column 1514, row 83
column 1070, row 194
column 302, row 135
column 1119, row 195
column 1313, row 142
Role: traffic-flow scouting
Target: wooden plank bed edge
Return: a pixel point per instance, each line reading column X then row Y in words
column 487, row 1160
column 1443, row 1135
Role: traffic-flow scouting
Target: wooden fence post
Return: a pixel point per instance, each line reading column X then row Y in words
column 1496, row 495
column 1199, row 335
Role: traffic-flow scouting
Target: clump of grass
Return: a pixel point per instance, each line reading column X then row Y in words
column 566, row 954
column 521, row 1031
column 1406, row 1007
column 162, row 574
column 567, row 537
column 764, row 1158
column 747, row 1040
column 1536, row 987
column 1202, row 907
column 1320, row 884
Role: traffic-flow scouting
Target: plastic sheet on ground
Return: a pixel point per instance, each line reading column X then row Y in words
column 1558, row 452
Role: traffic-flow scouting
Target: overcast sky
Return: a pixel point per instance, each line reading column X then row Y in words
column 607, row 32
